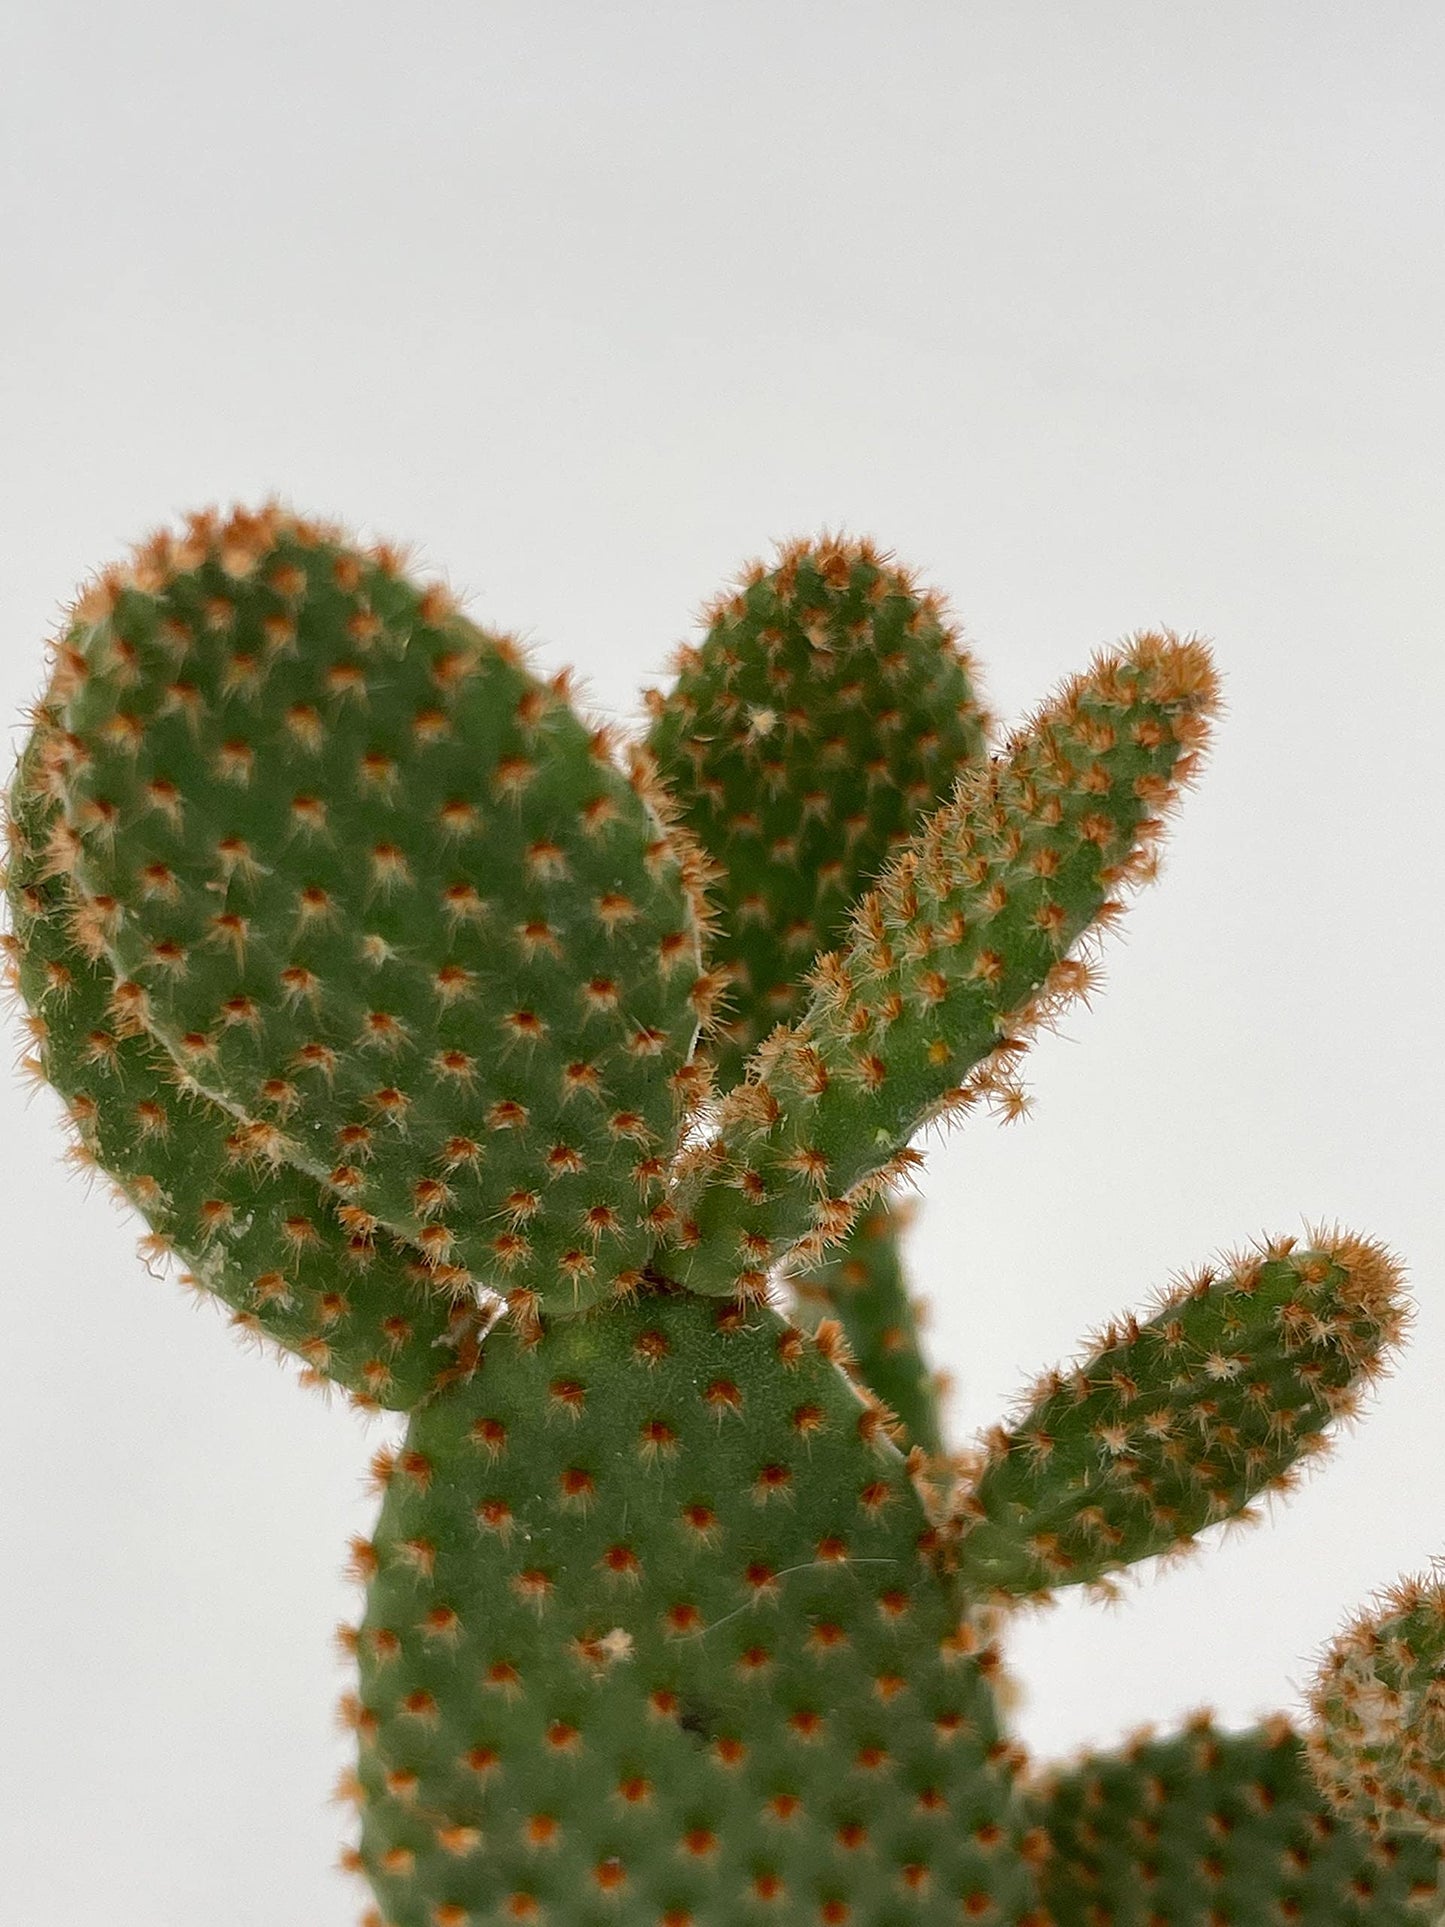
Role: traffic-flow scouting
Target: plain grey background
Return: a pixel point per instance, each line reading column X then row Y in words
column 1102, row 316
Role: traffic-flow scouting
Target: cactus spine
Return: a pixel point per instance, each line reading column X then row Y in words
column 507, row 1075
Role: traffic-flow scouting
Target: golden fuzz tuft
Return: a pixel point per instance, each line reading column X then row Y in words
column 833, row 556
column 1377, row 1744
column 1375, row 1277
column 241, row 541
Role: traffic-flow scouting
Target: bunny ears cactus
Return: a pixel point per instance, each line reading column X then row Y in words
column 353, row 867
column 508, row 1075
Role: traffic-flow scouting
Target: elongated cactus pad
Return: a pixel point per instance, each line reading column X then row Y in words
column 963, row 946
column 827, row 708
column 1177, row 1424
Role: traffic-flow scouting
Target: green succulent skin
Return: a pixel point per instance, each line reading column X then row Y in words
column 263, row 1237
column 829, row 707
column 373, row 886
column 966, row 943
column 1206, row 1825
column 1175, row 1424
column 622, row 1644
column 861, row 1282
column 1377, row 1739
column 505, row 1081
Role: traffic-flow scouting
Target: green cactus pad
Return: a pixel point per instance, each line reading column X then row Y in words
column 1378, row 1742
column 1214, row 1829
column 627, row 1655
column 263, row 1238
column 827, row 708
column 861, row 1283
column 1175, row 1425
column 962, row 948
column 368, row 974
column 380, row 893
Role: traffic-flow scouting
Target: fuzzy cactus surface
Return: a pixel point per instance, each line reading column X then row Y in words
column 557, row 1090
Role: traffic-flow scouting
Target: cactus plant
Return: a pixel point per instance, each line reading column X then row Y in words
column 556, row 1092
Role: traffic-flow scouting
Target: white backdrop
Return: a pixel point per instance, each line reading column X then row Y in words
column 1103, row 316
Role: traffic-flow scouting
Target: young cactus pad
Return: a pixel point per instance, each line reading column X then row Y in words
column 554, row 1091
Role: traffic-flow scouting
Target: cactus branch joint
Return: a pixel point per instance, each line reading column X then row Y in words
column 559, row 1090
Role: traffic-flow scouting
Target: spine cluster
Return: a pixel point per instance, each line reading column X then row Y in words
column 1378, row 1741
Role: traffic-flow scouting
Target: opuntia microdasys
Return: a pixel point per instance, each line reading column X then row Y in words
column 555, row 1090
